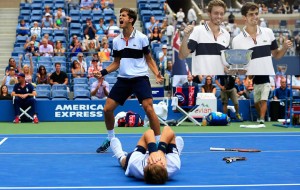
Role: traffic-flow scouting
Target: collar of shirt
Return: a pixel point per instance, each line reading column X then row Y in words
column 246, row 34
column 132, row 35
column 208, row 28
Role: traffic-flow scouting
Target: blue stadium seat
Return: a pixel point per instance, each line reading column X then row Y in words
column 10, row 88
column 107, row 12
column 75, row 26
column 21, row 39
column 77, row 87
column 58, row 59
column 36, row 13
column 43, row 94
column 46, row 63
column 36, row 6
column 25, row 12
column 80, row 80
column 47, row 31
column 59, row 87
column 59, row 94
column 59, row 32
column 105, row 64
column 91, row 81
column 44, row 87
column 82, row 95
column 35, row 18
column 60, row 38
column 74, row 12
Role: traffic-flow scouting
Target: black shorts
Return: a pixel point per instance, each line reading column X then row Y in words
column 124, row 87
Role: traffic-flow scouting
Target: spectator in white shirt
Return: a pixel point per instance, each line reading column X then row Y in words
column 180, row 16
column 46, row 49
column 192, row 15
column 99, row 89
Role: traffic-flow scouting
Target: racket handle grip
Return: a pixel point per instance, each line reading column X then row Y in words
column 216, row 149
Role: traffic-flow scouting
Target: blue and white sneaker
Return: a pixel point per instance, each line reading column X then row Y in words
column 104, row 147
column 179, row 144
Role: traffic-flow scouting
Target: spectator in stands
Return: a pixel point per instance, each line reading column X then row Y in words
column 235, row 30
column 23, row 28
column 59, row 76
column 231, row 18
column 94, row 67
column 192, row 17
column 12, row 63
column 77, row 70
column 81, row 61
column 47, row 22
column 59, row 9
column 208, row 86
column 296, row 82
column 47, row 10
column 180, row 17
column 34, row 51
column 105, row 52
column 297, row 45
column 99, row 89
column 59, row 50
column 170, row 18
column 133, row 78
column 199, row 41
column 97, row 5
column 33, row 38
column 86, row 5
column 46, row 49
column 272, row 82
column 36, row 29
column 241, row 89
column 77, row 48
column 42, row 77
column 228, row 90
column 169, row 33
column 112, row 29
column 73, row 4
column 60, row 21
column 46, row 36
column 282, row 92
column 4, row 95
column 89, row 30
column 163, row 59
column 106, row 3
column 264, row 9
column 190, row 82
column 24, row 96
column 280, row 40
column 101, row 27
column 262, row 65
column 10, row 78
column 96, row 56
column 150, row 25
column 163, row 27
column 263, row 23
column 72, row 43
column 27, row 70
column 104, row 39
column 91, row 47
column 155, row 35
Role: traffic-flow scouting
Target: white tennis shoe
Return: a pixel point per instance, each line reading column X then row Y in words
column 179, row 143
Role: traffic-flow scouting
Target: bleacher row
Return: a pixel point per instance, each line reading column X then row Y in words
column 34, row 11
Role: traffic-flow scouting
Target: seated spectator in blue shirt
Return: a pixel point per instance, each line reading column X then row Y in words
column 89, row 30
column 282, row 92
column 24, row 97
column 101, row 28
column 240, row 88
column 23, row 28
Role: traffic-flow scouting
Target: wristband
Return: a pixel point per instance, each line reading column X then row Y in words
column 103, row 72
column 152, row 147
column 162, row 146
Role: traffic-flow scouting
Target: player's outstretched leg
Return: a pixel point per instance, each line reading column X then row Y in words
column 116, row 147
column 179, row 144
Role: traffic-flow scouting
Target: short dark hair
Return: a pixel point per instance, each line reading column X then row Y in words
column 248, row 6
column 215, row 3
column 131, row 13
column 155, row 174
column 57, row 63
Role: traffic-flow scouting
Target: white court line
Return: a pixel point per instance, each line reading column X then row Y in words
column 88, row 153
column 156, row 186
column 184, row 136
column 3, row 140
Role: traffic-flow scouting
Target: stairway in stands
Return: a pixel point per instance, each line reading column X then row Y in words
column 9, row 21
column 132, row 4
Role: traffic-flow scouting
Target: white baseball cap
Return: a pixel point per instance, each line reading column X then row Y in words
column 164, row 46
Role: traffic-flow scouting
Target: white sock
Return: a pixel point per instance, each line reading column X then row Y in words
column 157, row 138
column 111, row 134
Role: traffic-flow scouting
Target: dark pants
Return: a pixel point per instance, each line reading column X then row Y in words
column 24, row 103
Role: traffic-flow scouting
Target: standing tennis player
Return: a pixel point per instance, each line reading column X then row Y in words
column 132, row 57
column 205, row 42
column 259, row 39
column 157, row 165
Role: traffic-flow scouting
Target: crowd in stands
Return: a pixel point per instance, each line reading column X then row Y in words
column 65, row 40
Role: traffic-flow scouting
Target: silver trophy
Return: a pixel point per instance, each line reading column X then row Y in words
column 236, row 60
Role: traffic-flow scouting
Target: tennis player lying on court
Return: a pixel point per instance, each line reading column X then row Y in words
column 155, row 164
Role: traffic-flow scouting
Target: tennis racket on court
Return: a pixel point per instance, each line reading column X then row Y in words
column 234, row 149
column 234, row 159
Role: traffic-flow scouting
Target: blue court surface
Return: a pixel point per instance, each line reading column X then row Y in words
column 70, row 162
